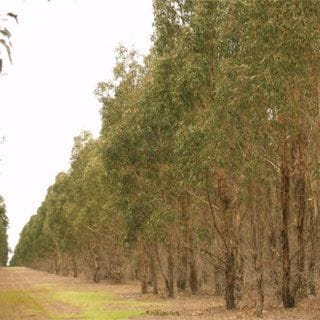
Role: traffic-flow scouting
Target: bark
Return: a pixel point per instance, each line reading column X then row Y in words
column 96, row 277
column 257, row 238
column 56, row 263
column 183, row 252
column 287, row 297
column 74, row 265
column 313, row 245
column 218, row 287
column 154, row 276
column 300, row 287
column 183, row 269
column 228, row 239
column 143, row 267
column 170, row 272
column 274, row 272
column 194, row 284
column 230, row 280
column 260, row 290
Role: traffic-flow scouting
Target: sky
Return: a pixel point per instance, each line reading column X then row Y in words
column 61, row 50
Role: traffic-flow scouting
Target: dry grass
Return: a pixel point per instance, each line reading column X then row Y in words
column 28, row 294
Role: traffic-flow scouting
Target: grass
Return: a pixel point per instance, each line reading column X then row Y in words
column 16, row 302
column 51, row 302
column 100, row 305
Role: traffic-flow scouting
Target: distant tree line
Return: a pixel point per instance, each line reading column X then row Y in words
column 206, row 170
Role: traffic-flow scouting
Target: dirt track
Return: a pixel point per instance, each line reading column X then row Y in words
column 24, row 278
column 28, row 294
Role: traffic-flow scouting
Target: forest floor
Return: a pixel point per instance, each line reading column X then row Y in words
column 28, row 294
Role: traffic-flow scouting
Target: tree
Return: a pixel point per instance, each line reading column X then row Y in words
column 207, row 162
column 4, row 250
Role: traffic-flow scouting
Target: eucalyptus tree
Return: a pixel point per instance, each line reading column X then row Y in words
column 245, row 110
column 34, row 248
column 277, row 51
column 96, row 221
column 123, row 151
column 208, row 152
column 56, row 224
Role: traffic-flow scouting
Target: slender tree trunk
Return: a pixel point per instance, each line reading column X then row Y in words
column 287, row 298
column 170, row 278
column 301, row 189
column 193, row 280
column 313, row 241
column 56, row 263
column 143, row 267
column 96, row 277
column 274, row 271
column 182, row 268
column 218, row 287
column 239, row 259
column 230, row 280
column 230, row 258
column 257, row 238
column 154, row 275
column 74, row 265
column 57, row 259
column 260, row 290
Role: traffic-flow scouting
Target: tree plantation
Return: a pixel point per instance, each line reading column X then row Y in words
column 206, row 173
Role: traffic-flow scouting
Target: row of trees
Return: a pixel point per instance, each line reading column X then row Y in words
column 5, row 53
column 4, row 249
column 206, row 171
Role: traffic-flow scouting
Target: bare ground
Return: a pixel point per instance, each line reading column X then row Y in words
column 29, row 294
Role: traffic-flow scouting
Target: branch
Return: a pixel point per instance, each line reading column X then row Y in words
column 213, row 215
column 99, row 233
column 304, row 244
column 275, row 165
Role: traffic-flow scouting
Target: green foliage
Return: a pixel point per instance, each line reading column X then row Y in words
column 203, row 116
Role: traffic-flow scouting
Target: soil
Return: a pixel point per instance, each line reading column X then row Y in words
column 184, row 306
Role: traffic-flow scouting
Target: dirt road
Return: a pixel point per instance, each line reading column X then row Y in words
column 28, row 294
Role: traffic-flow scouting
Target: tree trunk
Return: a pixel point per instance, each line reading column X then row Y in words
column 182, row 250
column 287, row 297
column 154, row 276
column 194, row 284
column 218, row 286
column 182, row 269
column 230, row 280
column 56, row 263
column 313, row 244
column 74, row 265
column 260, row 291
column 143, row 267
column 257, row 238
column 170, row 278
column 96, row 277
column 228, row 238
column 301, row 196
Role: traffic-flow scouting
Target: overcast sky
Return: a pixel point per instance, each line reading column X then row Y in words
column 61, row 50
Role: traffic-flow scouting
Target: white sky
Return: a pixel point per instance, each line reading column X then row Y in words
column 61, row 50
